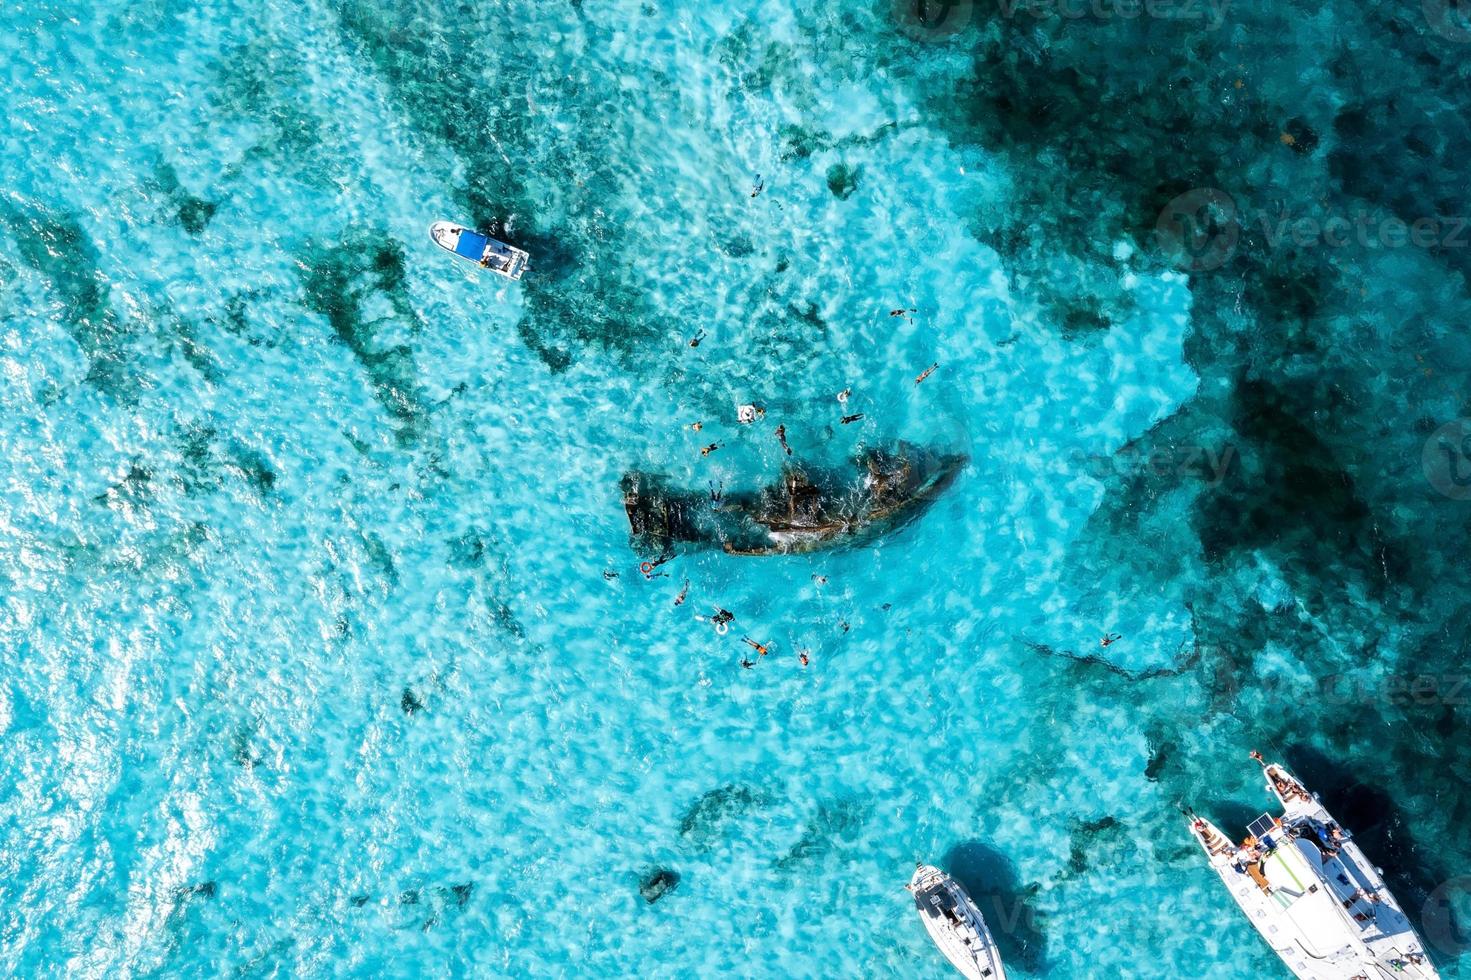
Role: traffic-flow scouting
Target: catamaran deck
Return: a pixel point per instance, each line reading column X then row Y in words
column 1313, row 895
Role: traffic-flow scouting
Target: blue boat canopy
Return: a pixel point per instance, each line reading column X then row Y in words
column 471, row 245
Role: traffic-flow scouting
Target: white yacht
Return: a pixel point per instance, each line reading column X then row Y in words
column 1312, row 894
column 955, row 924
column 484, row 251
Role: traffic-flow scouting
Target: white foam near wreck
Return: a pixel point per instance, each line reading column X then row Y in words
column 955, row 924
column 1309, row 890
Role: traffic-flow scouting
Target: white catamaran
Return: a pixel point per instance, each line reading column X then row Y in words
column 1312, row 894
column 955, row 924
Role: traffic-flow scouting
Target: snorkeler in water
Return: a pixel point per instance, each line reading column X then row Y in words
column 847, row 419
column 648, row 567
column 695, row 341
column 1109, row 639
column 683, row 593
column 760, row 649
column 927, row 372
column 760, row 186
column 709, row 449
column 781, row 437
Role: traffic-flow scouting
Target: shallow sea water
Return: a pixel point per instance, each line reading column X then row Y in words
column 324, row 648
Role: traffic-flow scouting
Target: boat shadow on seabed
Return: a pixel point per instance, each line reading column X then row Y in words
column 992, row 882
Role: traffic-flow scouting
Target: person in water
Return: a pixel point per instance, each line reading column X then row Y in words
column 802, row 658
column 1109, row 639
column 760, row 649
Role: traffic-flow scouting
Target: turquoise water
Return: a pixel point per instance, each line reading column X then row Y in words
column 325, row 651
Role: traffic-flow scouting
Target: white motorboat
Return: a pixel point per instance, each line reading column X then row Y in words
column 484, row 251
column 955, row 924
column 1312, row 894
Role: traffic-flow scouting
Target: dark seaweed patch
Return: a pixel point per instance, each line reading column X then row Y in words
column 1294, row 494
column 260, row 80
column 1159, row 757
column 800, row 143
column 409, row 703
column 716, row 811
column 135, row 487
column 835, row 823
column 467, row 551
column 1091, row 840
column 53, row 243
column 337, row 280
column 842, row 180
column 194, row 214
column 204, row 465
column 242, row 746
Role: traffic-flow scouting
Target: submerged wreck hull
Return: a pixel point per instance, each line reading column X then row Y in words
column 806, row 510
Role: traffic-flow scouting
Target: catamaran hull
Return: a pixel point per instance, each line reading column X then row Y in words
column 1310, row 892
